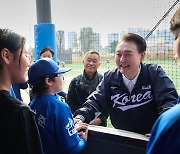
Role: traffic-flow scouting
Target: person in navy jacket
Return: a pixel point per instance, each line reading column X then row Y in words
column 134, row 94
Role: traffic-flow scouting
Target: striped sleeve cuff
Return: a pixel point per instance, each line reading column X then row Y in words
column 80, row 117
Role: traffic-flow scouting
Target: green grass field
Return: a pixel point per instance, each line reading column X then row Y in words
column 171, row 69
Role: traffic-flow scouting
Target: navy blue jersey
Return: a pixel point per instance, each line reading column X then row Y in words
column 137, row 111
column 165, row 135
column 56, row 126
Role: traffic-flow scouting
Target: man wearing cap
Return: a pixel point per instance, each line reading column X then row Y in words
column 54, row 118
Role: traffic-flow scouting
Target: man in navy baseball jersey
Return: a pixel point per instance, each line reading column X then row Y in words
column 134, row 94
column 54, row 118
column 165, row 135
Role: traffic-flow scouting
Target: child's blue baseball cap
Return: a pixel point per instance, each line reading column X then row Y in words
column 42, row 68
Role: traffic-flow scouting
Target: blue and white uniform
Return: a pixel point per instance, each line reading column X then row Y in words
column 56, row 126
column 165, row 135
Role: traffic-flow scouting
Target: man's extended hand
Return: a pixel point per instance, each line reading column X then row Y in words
column 96, row 121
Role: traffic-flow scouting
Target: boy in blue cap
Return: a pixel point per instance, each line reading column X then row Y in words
column 47, row 52
column 54, row 118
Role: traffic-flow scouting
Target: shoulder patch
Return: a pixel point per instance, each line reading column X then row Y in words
column 70, row 127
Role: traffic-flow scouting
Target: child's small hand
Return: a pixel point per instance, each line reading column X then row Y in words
column 82, row 129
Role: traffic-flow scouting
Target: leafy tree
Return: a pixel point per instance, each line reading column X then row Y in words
column 86, row 39
column 60, row 41
column 112, row 46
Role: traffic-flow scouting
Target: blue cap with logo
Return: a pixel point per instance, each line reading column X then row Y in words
column 42, row 68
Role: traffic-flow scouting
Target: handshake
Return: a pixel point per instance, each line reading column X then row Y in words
column 81, row 128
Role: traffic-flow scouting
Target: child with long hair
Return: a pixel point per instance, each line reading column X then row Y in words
column 18, row 130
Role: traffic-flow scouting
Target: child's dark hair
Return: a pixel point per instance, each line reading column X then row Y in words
column 41, row 87
column 47, row 49
column 11, row 41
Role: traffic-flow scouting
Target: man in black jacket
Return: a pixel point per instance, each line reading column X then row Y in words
column 84, row 84
column 134, row 94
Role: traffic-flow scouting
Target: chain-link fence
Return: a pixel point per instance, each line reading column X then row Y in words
column 150, row 19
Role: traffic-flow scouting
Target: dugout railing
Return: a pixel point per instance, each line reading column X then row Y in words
column 103, row 140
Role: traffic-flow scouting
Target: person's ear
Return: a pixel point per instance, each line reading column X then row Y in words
column 143, row 55
column 99, row 65
column 48, row 81
column 5, row 55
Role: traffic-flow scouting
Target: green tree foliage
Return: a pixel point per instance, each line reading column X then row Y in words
column 112, row 46
column 86, row 39
column 60, row 41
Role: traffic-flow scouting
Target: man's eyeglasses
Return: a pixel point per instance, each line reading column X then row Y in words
column 58, row 75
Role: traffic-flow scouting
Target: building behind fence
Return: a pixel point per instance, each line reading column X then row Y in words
column 72, row 45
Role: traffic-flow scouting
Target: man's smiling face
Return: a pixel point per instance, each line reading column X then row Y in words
column 128, row 58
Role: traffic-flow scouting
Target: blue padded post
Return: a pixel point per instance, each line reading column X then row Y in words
column 45, row 35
